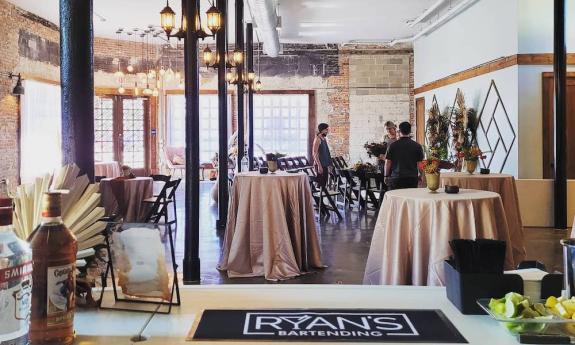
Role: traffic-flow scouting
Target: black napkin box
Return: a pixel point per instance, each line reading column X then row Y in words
column 464, row 289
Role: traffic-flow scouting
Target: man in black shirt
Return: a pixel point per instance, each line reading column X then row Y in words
column 402, row 158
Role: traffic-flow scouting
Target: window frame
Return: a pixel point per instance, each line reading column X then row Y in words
column 312, row 120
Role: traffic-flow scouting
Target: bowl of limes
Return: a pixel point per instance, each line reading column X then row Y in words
column 519, row 314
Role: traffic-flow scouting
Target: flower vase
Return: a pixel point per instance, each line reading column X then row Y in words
column 470, row 166
column 272, row 166
column 432, row 182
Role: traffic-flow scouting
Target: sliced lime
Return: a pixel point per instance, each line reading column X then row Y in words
column 510, row 308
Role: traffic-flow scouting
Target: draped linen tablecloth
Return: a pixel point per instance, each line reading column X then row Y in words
column 126, row 196
column 108, row 169
column 271, row 228
column 412, row 233
column 504, row 185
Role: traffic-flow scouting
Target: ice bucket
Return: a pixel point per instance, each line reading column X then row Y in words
column 568, row 267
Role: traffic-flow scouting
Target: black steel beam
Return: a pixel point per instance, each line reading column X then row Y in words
column 221, row 47
column 77, row 84
column 191, row 262
column 250, row 67
column 560, row 69
column 240, row 86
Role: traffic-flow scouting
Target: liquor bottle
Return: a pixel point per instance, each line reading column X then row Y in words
column 245, row 161
column 54, row 250
column 15, row 277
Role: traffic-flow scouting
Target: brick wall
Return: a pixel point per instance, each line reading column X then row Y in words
column 18, row 54
column 357, row 88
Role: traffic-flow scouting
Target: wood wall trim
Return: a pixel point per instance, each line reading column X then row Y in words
column 492, row 66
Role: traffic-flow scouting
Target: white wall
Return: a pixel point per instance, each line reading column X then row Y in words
column 485, row 31
column 535, row 23
column 475, row 91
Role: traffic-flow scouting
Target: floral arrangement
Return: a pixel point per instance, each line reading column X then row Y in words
column 362, row 168
column 430, row 165
column 270, row 157
column 437, row 132
column 471, row 153
column 375, row 149
column 463, row 128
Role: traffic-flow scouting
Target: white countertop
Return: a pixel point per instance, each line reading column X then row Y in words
column 116, row 327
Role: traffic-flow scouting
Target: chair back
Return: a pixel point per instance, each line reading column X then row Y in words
column 161, row 178
column 160, row 206
column 282, row 164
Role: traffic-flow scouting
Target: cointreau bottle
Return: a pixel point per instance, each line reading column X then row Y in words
column 54, row 250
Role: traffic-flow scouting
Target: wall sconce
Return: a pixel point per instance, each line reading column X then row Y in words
column 18, row 89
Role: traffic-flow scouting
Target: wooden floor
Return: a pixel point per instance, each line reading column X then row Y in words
column 345, row 245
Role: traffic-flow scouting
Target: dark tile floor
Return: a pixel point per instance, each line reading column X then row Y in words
column 345, row 245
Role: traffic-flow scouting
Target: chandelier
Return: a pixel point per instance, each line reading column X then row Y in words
column 147, row 69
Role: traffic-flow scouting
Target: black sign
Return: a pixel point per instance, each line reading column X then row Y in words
column 400, row 326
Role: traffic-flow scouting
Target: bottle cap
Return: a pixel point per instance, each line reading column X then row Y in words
column 52, row 204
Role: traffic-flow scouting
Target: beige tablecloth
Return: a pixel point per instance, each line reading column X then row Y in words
column 108, row 169
column 271, row 229
column 414, row 227
column 125, row 197
column 504, row 185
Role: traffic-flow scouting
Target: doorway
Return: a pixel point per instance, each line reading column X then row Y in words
column 120, row 130
column 549, row 125
column 420, row 120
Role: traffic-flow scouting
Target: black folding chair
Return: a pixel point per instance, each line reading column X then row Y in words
column 165, row 179
column 159, row 206
column 324, row 198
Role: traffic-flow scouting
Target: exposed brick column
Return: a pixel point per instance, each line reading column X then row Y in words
column 411, row 93
column 338, row 99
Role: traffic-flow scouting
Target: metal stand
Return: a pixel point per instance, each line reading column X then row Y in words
column 110, row 269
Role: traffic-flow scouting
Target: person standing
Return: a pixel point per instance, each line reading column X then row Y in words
column 402, row 158
column 388, row 138
column 321, row 155
column 390, row 133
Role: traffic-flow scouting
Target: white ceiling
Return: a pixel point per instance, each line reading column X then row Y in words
column 305, row 21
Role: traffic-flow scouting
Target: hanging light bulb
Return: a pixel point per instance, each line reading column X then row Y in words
column 169, row 74
column 168, row 19
column 229, row 76
column 121, row 90
column 130, row 68
column 238, row 56
column 152, row 74
column 178, row 76
column 119, row 74
column 208, row 57
column 214, row 17
column 251, row 75
column 142, row 76
column 258, row 87
column 155, row 93
column 136, row 90
column 162, row 71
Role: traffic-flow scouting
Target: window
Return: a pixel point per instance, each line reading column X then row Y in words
column 119, row 129
column 103, row 129
column 208, row 124
column 40, row 140
column 281, row 123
